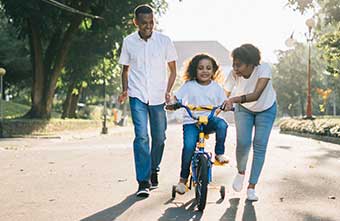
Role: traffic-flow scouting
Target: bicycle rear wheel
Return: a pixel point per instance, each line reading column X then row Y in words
column 201, row 187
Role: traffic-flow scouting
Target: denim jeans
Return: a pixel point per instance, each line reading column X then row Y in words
column 190, row 138
column 245, row 120
column 147, row 161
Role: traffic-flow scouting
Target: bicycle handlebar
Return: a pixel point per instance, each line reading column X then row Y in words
column 190, row 108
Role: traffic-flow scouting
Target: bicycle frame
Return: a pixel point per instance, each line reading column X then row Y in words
column 202, row 121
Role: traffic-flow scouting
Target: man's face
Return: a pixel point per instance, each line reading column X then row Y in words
column 145, row 24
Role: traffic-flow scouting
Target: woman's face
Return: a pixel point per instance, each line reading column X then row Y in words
column 204, row 71
column 242, row 69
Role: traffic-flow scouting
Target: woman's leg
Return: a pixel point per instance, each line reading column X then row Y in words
column 263, row 126
column 244, row 121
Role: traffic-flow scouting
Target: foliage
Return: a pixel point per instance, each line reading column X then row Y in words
column 58, row 37
column 290, row 80
column 14, row 57
column 324, row 127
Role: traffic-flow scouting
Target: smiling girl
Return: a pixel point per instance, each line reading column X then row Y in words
column 201, row 89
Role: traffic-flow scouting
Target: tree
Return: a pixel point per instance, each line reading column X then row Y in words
column 290, row 79
column 51, row 32
column 14, row 57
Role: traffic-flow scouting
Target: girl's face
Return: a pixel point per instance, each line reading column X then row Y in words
column 241, row 69
column 204, row 71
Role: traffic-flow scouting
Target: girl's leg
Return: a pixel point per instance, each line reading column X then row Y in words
column 263, row 126
column 244, row 121
column 190, row 136
column 219, row 126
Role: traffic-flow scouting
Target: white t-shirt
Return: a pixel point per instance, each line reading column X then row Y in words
column 200, row 95
column 147, row 61
column 240, row 86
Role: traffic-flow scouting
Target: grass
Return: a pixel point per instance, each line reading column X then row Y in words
column 13, row 110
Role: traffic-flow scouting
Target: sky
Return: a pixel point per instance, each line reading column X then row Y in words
column 264, row 23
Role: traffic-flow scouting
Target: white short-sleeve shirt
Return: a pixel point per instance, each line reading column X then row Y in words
column 200, row 95
column 147, row 61
column 240, row 86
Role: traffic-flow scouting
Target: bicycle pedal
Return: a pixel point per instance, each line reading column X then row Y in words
column 217, row 163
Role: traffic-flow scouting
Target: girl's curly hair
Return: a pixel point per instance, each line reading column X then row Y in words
column 190, row 70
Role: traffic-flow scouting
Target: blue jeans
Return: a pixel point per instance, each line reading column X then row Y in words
column 147, row 161
column 190, row 138
column 245, row 120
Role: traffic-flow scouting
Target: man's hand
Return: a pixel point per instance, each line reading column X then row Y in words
column 122, row 97
column 167, row 97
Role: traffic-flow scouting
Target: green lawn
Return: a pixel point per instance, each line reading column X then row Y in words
column 13, row 110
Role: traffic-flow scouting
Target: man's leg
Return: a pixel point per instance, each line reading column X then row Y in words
column 139, row 113
column 158, row 126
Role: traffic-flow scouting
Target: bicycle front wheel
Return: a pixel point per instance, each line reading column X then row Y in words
column 201, row 187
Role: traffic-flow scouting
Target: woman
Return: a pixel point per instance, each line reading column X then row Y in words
column 255, row 107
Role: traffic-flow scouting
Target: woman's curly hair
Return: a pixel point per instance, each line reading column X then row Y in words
column 190, row 70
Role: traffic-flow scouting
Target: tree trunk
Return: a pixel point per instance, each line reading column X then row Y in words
column 71, row 101
column 45, row 78
column 37, row 95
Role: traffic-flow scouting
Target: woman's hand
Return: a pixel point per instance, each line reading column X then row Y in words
column 227, row 105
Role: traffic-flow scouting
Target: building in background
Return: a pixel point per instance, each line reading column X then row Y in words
column 187, row 49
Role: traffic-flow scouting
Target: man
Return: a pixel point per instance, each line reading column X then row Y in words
column 145, row 56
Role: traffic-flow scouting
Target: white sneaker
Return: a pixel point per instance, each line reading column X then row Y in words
column 222, row 158
column 180, row 188
column 238, row 182
column 251, row 195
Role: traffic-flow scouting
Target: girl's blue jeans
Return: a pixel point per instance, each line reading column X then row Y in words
column 147, row 161
column 190, row 138
column 262, row 122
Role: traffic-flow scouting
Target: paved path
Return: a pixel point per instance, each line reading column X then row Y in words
column 90, row 177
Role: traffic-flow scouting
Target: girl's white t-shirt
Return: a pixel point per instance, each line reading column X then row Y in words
column 200, row 95
column 241, row 86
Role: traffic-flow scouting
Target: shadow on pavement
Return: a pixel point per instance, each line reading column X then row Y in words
column 249, row 213
column 115, row 211
column 230, row 213
column 184, row 212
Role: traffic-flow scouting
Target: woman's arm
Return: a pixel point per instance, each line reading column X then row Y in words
column 259, row 88
column 254, row 96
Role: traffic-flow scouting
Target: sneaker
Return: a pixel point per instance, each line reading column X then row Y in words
column 222, row 159
column 154, row 180
column 181, row 188
column 238, row 182
column 143, row 189
column 251, row 195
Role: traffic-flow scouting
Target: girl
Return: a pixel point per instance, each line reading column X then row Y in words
column 201, row 89
column 255, row 101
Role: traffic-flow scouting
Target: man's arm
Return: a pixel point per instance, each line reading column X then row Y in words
column 122, row 97
column 171, row 81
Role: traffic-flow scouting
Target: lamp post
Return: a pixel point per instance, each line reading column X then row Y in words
column 104, row 128
column 2, row 73
column 310, row 24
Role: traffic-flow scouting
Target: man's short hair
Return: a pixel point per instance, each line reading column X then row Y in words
column 143, row 9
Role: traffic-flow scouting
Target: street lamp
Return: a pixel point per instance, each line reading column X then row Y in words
column 310, row 24
column 2, row 73
column 104, row 128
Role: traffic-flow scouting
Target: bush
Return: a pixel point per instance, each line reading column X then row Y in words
column 321, row 126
